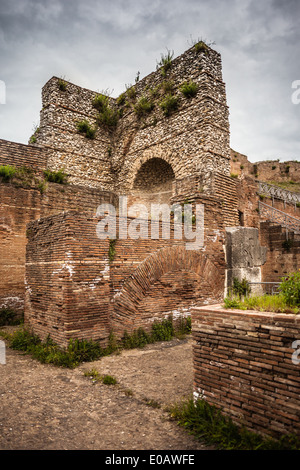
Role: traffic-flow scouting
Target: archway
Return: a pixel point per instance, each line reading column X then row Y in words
column 154, row 176
column 158, row 279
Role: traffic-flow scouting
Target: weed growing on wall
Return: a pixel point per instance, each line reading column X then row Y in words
column 8, row 317
column 207, row 423
column 59, row 176
column 7, row 172
column 62, row 85
column 165, row 62
column 189, row 89
column 85, row 128
column 143, row 107
column 169, row 104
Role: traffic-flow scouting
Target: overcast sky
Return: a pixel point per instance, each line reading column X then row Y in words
column 101, row 45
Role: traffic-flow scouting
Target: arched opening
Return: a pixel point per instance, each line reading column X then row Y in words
column 154, row 176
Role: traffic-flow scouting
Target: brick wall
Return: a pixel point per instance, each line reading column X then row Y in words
column 13, row 153
column 281, row 258
column 74, row 290
column 18, row 207
column 269, row 170
column 243, row 364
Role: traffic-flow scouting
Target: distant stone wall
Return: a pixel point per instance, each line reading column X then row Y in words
column 243, row 364
column 269, row 170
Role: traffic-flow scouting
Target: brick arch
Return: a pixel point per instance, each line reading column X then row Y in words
column 176, row 259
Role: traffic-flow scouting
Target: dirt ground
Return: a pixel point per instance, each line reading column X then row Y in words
column 49, row 408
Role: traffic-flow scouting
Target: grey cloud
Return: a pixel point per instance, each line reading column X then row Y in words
column 102, row 44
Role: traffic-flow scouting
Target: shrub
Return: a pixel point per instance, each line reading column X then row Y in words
column 208, row 423
column 121, row 99
column 290, row 289
column 100, row 102
column 108, row 380
column 143, row 107
column 62, row 85
column 85, row 128
column 131, row 92
column 189, row 89
column 7, row 172
column 8, row 317
column 165, row 62
column 201, row 46
column 241, row 288
column 59, row 176
column 108, row 117
column 169, row 104
column 48, row 352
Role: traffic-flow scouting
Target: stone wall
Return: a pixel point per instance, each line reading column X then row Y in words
column 192, row 138
column 243, row 365
column 86, row 161
column 268, row 170
column 244, row 256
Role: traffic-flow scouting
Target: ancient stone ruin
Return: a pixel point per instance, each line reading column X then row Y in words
column 165, row 140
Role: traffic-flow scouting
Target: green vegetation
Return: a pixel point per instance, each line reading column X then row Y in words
column 107, row 116
column 207, row 423
column 7, row 172
column 168, row 87
column 85, row 128
column 234, row 175
column 290, row 289
column 131, row 92
column 286, row 301
column 79, row 351
column 62, row 84
column 263, row 303
column 288, row 185
column 143, row 107
column 201, row 46
column 189, row 89
column 21, row 176
column 169, row 104
column 96, row 377
column 9, row 317
column 100, row 102
column 59, row 176
column 165, row 62
column 112, row 249
column 241, row 288
column 33, row 138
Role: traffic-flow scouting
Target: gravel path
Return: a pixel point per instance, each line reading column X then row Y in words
column 49, row 408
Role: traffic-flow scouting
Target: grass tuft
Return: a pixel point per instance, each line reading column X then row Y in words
column 207, row 423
